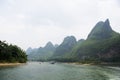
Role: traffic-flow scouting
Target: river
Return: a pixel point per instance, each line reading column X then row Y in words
column 59, row 71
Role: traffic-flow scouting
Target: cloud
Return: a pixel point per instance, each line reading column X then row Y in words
column 62, row 12
column 111, row 10
column 35, row 22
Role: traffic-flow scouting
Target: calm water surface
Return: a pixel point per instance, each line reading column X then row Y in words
column 59, row 71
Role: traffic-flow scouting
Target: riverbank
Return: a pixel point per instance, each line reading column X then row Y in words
column 11, row 64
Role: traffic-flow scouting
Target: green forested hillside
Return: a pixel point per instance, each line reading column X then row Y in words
column 101, row 45
column 11, row 53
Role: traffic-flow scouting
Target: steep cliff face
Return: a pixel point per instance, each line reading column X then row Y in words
column 102, row 30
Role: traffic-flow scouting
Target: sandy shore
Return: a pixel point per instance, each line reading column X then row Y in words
column 10, row 64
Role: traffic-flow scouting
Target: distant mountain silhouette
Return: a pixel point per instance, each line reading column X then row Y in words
column 101, row 45
column 42, row 53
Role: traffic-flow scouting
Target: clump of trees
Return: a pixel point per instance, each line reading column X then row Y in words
column 11, row 53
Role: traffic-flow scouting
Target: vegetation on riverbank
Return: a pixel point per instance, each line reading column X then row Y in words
column 11, row 53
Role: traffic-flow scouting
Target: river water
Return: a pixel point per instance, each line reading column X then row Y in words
column 59, row 71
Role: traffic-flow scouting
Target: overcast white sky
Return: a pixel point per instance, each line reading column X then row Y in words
column 35, row 22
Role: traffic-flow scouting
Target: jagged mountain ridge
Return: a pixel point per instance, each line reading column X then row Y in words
column 102, row 44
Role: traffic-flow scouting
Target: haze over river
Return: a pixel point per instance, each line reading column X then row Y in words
column 59, row 71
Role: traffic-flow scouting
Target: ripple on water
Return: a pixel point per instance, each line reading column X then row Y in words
column 47, row 71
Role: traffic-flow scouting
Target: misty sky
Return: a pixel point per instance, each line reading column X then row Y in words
column 35, row 22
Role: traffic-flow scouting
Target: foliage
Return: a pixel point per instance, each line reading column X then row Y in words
column 11, row 53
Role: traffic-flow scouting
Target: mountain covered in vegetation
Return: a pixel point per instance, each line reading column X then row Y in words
column 65, row 47
column 42, row 53
column 102, row 30
column 101, row 45
column 11, row 53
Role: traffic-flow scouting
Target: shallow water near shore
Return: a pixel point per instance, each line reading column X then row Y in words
column 58, row 71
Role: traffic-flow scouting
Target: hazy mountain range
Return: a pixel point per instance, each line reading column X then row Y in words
column 102, row 44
